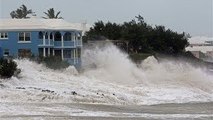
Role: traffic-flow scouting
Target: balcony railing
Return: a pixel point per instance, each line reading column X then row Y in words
column 78, row 43
column 45, row 43
column 57, row 43
column 68, row 43
column 72, row 44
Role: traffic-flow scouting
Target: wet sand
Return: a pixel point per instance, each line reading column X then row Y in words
column 65, row 111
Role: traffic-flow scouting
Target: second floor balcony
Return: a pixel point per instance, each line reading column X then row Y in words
column 60, row 39
column 68, row 44
column 45, row 43
column 64, row 44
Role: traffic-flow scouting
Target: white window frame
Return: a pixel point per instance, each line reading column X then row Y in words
column 4, row 35
column 24, row 41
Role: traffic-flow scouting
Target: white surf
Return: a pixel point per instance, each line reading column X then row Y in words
column 109, row 77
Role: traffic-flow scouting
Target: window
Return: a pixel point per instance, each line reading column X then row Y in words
column 6, row 52
column 24, row 53
column 21, row 36
column 27, row 36
column 40, row 35
column 24, row 36
column 3, row 35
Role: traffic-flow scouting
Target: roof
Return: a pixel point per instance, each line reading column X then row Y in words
column 203, row 49
column 200, row 40
column 200, row 43
column 38, row 24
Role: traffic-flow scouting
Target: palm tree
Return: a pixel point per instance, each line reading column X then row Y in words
column 21, row 12
column 51, row 14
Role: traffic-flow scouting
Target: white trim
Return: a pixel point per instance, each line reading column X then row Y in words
column 62, row 40
column 48, row 51
column 74, row 39
column 24, row 42
column 48, row 43
column 77, row 55
column 62, row 54
column 44, row 52
column 74, row 56
column 53, row 52
column 4, row 38
column 43, row 39
column 53, row 35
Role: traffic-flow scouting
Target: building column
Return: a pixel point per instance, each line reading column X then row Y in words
column 74, row 56
column 53, row 52
column 71, row 54
column 74, row 38
column 62, row 45
column 53, row 43
column 62, row 54
column 49, row 44
column 44, row 50
column 81, row 40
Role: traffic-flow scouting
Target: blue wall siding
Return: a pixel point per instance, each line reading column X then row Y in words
column 12, row 43
column 1, row 52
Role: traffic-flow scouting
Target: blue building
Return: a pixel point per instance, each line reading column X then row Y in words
column 41, row 37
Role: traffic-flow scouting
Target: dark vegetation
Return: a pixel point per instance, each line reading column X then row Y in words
column 145, row 40
column 51, row 14
column 7, row 68
column 141, row 37
column 22, row 13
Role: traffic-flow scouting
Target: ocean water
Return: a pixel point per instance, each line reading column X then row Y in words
column 109, row 81
column 110, row 77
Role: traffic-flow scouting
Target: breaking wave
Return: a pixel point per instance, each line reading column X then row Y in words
column 110, row 77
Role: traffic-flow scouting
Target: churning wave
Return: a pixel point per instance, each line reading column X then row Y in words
column 110, row 77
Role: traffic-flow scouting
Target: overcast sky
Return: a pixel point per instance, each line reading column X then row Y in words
column 192, row 16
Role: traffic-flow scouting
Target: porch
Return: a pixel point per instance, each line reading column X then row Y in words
column 71, row 55
column 58, row 40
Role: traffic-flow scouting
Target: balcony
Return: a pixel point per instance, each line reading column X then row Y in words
column 78, row 43
column 58, row 44
column 47, row 43
column 68, row 44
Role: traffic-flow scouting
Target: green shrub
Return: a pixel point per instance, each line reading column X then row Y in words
column 54, row 62
column 7, row 68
